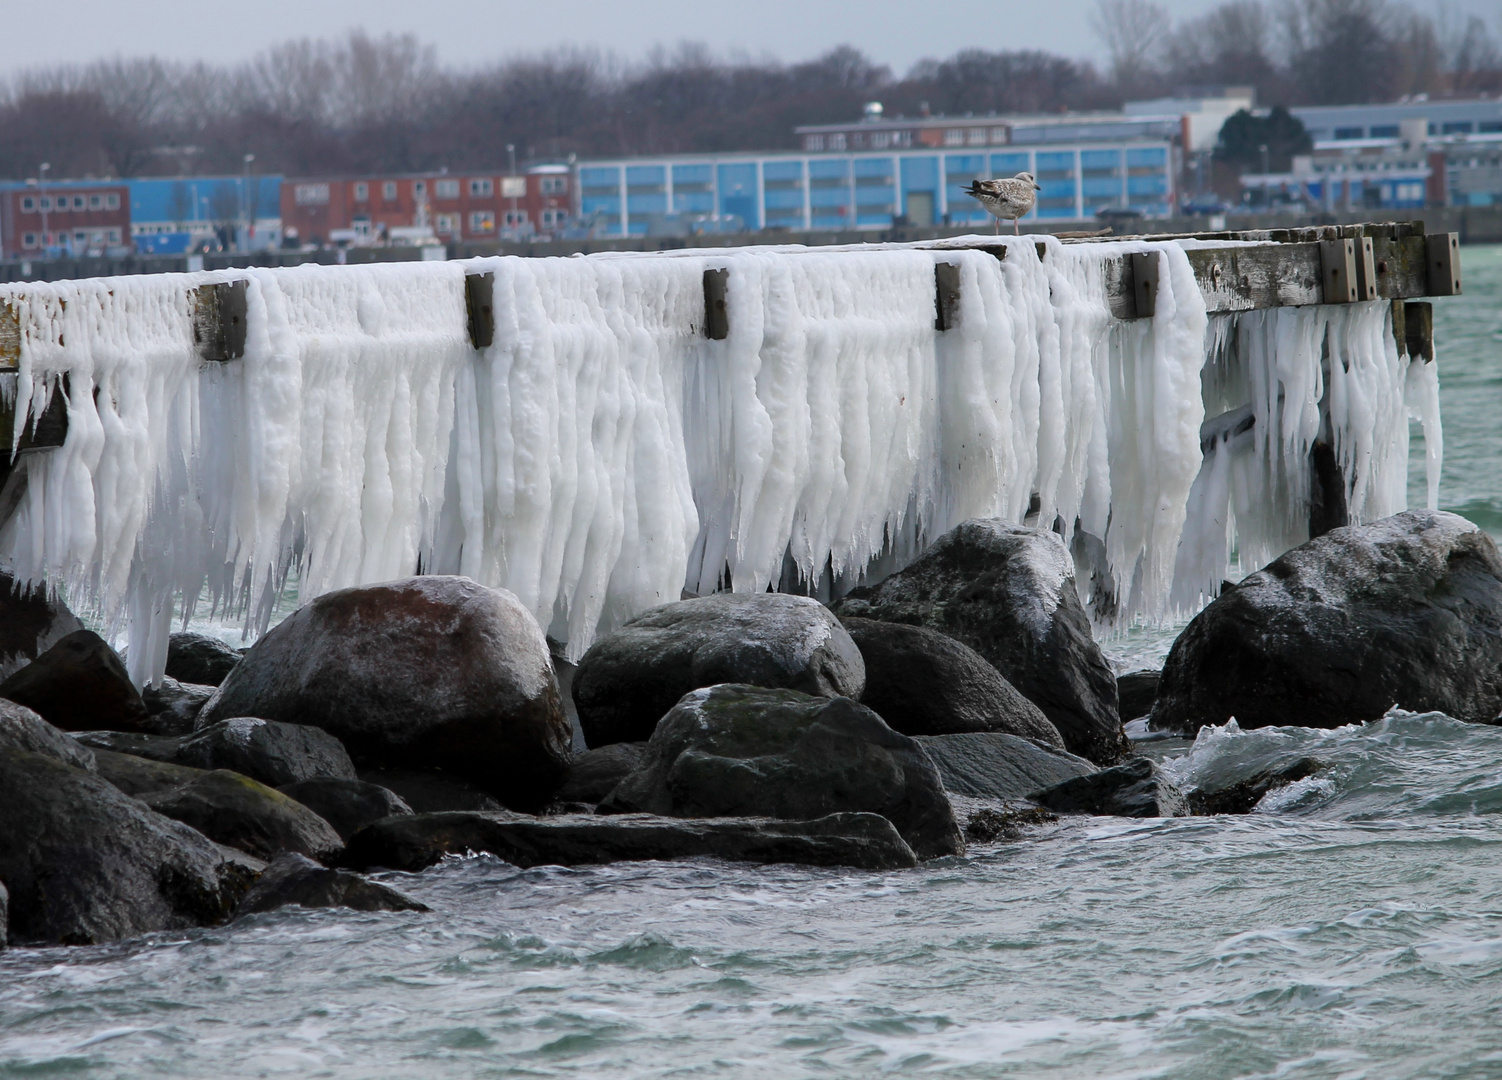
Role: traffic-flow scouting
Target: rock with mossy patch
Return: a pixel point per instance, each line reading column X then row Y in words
column 86, row 863
column 297, row 881
column 266, row 750
column 347, row 805
column 735, row 751
column 630, row 679
column 995, row 765
column 22, row 729
column 1137, row 789
column 595, row 773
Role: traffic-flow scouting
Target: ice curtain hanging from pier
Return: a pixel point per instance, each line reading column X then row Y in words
column 615, row 438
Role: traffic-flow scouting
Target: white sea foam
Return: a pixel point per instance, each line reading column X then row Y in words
column 603, row 454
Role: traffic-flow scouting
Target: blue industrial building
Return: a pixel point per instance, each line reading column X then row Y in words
column 839, row 191
column 170, row 215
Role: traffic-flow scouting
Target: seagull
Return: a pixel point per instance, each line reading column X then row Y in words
column 1006, row 198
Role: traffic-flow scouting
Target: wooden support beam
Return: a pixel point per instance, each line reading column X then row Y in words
column 1144, row 284
column 946, row 295
column 479, row 305
column 1443, row 251
column 1418, row 329
column 716, row 317
column 10, row 336
column 219, row 320
column 37, row 432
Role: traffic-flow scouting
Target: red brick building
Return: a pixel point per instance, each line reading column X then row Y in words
column 460, row 207
column 76, row 217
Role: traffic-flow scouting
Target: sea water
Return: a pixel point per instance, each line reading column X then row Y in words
column 1350, row 927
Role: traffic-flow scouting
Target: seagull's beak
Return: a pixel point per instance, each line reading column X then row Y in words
column 1037, row 187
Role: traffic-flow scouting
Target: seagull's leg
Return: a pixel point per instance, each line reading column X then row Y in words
column 996, row 222
column 1016, row 226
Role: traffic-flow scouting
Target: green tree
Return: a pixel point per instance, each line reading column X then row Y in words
column 1243, row 137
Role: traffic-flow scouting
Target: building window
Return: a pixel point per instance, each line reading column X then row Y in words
column 28, row 204
column 311, row 194
column 446, row 189
column 29, row 240
column 998, row 136
column 836, row 141
column 112, row 201
column 80, row 237
column 553, row 218
column 388, row 191
column 446, row 224
column 481, row 189
column 514, row 187
column 420, row 188
column 880, row 140
column 481, row 222
column 1349, row 132
column 1458, row 127
column 1384, row 131
column 47, row 204
column 814, row 142
column 954, row 137
column 554, row 185
column 96, row 201
column 78, row 202
column 976, row 137
column 114, row 236
column 362, row 192
column 514, row 219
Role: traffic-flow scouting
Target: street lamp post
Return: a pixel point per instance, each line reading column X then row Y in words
column 511, row 153
column 42, row 198
column 247, row 212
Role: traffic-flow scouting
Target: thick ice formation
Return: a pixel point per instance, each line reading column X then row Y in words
column 603, row 454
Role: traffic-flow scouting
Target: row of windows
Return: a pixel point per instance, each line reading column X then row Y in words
column 77, row 238
column 482, row 222
column 512, row 187
column 1392, row 131
column 881, row 140
column 31, row 204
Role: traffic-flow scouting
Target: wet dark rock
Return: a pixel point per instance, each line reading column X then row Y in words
column 595, row 773
column 243, row 813
column 1137, row 690
column 425, row 673
column 745, row 751
column 297, row 881
column 1008, row 592
column 86, row 863
column 1242, row 796
column 79, row 684
column 4, row 916
column 31, row 622
column 200, row 659
column 922, row 682
column 141, row 776
column 347, row 805
column 431, row 792
column 264, row 750
column 630, row 679
column 995, row 765
column 1137, row 789
column 412, row 843
column 1406, row 611
column 22, row 729
column 172, row 707
column 990, row 823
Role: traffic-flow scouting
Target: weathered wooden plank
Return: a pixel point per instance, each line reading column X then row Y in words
column 479, row 306
column 716, row 316
column 1416, row 337
column 219, row 320
column 10, row 336
column 1261, row 276
column 946, row 295
column 48, row 430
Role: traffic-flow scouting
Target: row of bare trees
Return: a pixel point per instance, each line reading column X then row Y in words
column 387, row 104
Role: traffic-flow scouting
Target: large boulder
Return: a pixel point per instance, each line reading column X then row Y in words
column 1137, row 690
column 923, row 682
column 745, row 751
column 1406, row 611
column 31, row 622
column 1138, row 788
column 4, row 916
column 199, row 659
column 1008, row 592
column 595, row 773
column 995, row 765
column 627, row 681
column 266, row 750
column 868, row 841
column 22, row 729
column 86, row 863
column 297, row 881
column 79, row 684
column 241, row 813
column 142, row 776
column 347, row 805
column 429, row 792
column 427, row 672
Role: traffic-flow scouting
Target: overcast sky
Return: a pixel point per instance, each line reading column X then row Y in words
column 468, row 32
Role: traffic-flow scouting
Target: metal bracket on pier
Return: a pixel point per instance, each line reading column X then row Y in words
column 716, row 317
column 1338, row 267
column 219, row 320
column 479, row 303
column 946, row 295
column 1144, row 284
column 1443, row 263
column 1366, row 269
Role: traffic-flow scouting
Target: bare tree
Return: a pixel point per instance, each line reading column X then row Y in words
column 1133, row 32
